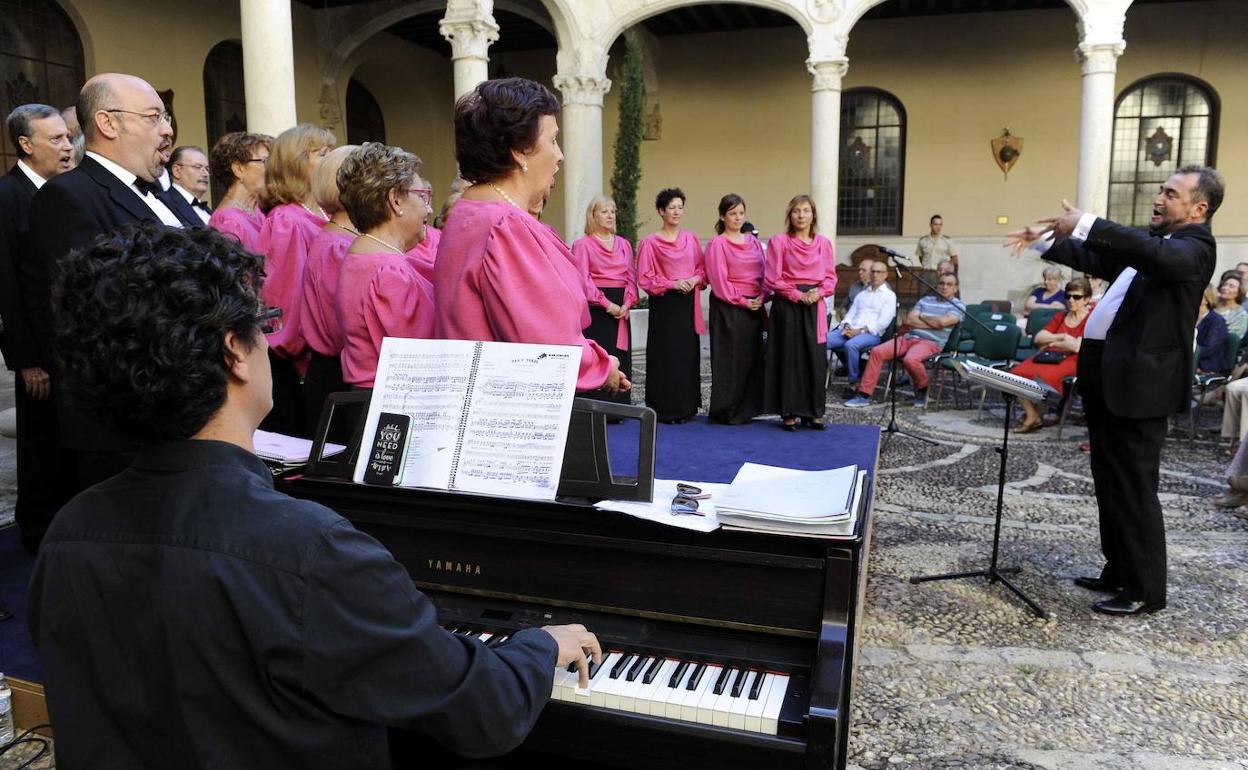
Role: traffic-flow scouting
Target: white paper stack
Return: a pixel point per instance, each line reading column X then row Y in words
column 788, row 501
column 287, row 451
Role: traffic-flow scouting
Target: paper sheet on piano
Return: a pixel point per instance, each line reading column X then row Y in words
column 661, row 509
column 485, row 417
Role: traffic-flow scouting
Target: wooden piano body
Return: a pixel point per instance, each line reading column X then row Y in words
column 759, row 602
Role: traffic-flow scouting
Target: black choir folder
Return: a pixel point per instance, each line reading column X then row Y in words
column 483, row 417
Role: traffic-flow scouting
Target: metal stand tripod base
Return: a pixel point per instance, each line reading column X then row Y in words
column 994, row 573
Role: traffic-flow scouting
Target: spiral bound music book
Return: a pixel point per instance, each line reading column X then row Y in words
column 483, row 417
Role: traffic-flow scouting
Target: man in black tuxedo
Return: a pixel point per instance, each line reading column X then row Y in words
column 188, row 170
column 1135, row 365
column 128, row 137
column 41, row 140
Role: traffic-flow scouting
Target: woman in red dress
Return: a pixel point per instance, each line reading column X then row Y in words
column 1063, row 334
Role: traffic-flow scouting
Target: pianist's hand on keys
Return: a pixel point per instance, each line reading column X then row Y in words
column 575, row 645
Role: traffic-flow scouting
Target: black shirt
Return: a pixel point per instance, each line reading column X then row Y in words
column 188, row 615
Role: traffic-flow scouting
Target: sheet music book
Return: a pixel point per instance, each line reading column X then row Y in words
column 484, row 417
column 1036, row 390
column 765, row 497
column 288, row 451
column 840, row 529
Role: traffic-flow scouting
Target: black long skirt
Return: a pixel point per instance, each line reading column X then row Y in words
column 736, row 362
column 287, row 414
column 673, row 368
column 604, row 330
column 797, row 365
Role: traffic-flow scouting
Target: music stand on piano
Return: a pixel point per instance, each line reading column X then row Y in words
column 1011, row 387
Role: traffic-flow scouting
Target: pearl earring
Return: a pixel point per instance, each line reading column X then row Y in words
column 524, row 166
column 400, row 212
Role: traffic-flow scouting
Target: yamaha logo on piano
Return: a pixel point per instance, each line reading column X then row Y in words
column 461, row 567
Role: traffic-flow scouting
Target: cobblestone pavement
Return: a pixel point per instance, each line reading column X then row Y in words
column 959, row 674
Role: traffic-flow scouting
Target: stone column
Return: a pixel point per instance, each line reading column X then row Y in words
column 268, row 65
column 1096, row 124
column 470, row 40
column 825, row 138
column 582, row 144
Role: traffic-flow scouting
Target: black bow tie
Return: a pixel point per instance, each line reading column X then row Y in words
column 145, row 187
column 197, row 203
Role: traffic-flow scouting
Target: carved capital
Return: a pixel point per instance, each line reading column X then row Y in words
column 331, row 114
column 1099, row 57
column 469, row 38
column 827, row 74
column 582, row 89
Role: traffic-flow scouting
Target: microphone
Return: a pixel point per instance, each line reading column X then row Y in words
column 895, row 255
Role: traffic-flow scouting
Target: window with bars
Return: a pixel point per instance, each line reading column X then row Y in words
column 873, row 160
column 40, row 61
column 1161, row 124
column 364, row 119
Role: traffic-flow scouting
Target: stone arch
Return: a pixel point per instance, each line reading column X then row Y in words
column 617, row 25
column 84, row 34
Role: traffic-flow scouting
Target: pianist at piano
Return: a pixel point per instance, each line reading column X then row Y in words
column 185, row 613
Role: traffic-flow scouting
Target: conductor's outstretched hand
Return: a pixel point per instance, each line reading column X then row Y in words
column 1060, row 227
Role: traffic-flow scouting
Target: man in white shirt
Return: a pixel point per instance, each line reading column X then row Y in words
column 188, row 170
column 870, row 314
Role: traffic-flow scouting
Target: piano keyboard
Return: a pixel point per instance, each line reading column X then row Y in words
column 736, row 697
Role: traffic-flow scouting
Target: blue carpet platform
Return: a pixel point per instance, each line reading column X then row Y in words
column 695, row 451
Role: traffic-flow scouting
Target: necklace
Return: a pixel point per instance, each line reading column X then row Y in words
column 390, row 246
column 349, row 229
column 320, row 212
column 503, row 193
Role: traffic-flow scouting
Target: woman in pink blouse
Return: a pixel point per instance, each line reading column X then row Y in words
column 422, row 254
column 800, row 272
column 734, row 267
column 500, row 274
column 237, row 165
column 380, row 293
column 292, row 221
column 607, row 260
column 319, row 308
column 670, row 269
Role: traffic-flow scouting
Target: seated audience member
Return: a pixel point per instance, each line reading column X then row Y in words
column 1210, row 337
column 1234, row 416
column 1048, row 295
column 380, row 292
column 946, row 267
column 931, row 322
column 237, row 166
column 1098, row 288
column 864, row 281
column 501, row 275
column 319, row 303
column 1242, row 269
column 1058, row 353
column 1230, row 304
column 871, row 313
column 185, row 613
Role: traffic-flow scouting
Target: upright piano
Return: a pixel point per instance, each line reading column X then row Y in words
column 730, row 649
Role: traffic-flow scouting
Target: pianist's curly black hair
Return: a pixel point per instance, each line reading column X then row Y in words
column 141, row 318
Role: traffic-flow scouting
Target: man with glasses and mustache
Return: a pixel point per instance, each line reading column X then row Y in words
column 1135, row 365
column 188, row 174
column 128, row 138
column 870, row 314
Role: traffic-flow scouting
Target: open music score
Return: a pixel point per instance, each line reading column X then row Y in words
column 485, row 417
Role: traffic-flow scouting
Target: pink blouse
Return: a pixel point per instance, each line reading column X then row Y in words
column 288, row 232
column 661, row 264
column 791, row 262
column 735, row 270
column 238, row 224
column 320, row 287
column 502, row 276
column 610, row 268
column 379, row 295
column 422, row 254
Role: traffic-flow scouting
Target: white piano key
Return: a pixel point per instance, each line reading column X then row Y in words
column 666, row 694
column 628, row 695
column 586, row 696
column 565, row 684
column 736, row 712
column 775, row 699
column 706, row 684
column 754, row 711
column 676, row 703
column 723, row 702
column 484, row 637
column 706, row 696
column 649, row 694
column 610, row 688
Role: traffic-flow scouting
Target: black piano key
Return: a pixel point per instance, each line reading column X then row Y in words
column 653, row 670
column 696, row 677
column 678, row 674
column 496, row 640
column 635, row 670
column 739, row 685
column 758, row 685
column 620, row 664
column 725, row 677
column 593, row 667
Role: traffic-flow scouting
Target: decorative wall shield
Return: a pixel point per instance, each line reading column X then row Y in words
column 1006, row 149
column 1159, row 146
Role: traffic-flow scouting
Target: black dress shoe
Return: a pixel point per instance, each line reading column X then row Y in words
column 1097, row 584
column 813, row 424
column 1121, row 606
column 790, row 425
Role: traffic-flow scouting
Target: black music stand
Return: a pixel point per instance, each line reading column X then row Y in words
column 995, row 573
column 892, row 427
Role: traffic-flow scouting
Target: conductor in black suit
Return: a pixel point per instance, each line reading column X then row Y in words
column 188, row 174
column 44, row 150
column 128, row 138
column 1135, row 365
